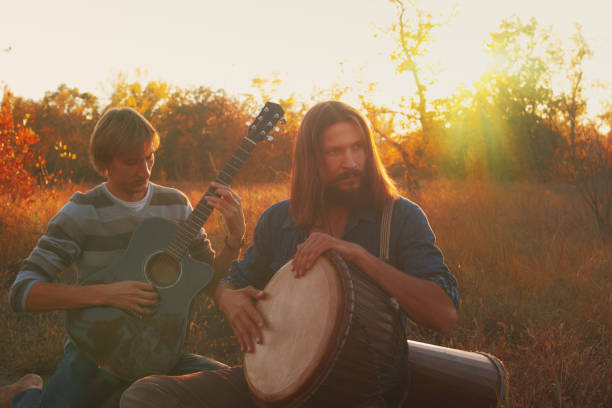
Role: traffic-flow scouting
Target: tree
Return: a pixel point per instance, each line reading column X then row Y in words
column 417, row 143
column 16, row 154
column 471, row 142
column 147, row 100
column 573, row 103
column 518, row 85
column 414, row 33
column 592, row 174
column 274, row 158
column 198, row 127
column 65, row 120
column 585, row 157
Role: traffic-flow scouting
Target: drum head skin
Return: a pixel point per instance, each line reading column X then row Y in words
column 302, row 316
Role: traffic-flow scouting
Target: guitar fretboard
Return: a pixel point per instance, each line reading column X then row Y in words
column 191, row 227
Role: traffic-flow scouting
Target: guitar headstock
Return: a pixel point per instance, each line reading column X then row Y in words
column 265, row 121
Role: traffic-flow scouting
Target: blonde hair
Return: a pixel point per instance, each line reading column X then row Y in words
column 307, row 186
column 119, row 130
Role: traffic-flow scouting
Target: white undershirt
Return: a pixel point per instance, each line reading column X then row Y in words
column 132, row 205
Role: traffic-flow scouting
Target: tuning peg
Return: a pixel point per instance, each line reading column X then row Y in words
column 276, row 128
column 247, row 123
column 270, row 138
column 266, row 109
column 253, row 114
column 283, row 121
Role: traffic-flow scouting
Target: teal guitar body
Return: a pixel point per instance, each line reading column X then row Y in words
column 130, row 346
column 126, row 345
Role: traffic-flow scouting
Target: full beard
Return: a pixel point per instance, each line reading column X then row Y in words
column 358, row 198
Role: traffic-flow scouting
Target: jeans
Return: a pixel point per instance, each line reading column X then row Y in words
column 79, row 382
column 206, row 389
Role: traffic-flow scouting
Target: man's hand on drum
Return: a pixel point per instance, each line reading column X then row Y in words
column 230, row 205
column 238, row 307
column 318, row 242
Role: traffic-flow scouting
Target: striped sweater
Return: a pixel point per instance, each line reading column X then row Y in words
column 92, row 231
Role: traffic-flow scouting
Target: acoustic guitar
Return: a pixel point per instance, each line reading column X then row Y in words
column 131, row 347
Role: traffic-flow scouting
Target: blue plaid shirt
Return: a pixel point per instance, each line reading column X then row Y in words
column 412, row 246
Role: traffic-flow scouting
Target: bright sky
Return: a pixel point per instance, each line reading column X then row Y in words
column 224, row 44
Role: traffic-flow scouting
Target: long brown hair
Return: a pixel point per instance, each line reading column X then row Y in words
column 307, row 186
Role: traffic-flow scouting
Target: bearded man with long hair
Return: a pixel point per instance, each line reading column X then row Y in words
column 339, row 188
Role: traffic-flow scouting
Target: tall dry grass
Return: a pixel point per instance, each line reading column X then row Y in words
column 536, row 287
column 535, row 282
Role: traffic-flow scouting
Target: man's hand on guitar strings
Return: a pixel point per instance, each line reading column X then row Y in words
column 137, row 298
column 228, row 203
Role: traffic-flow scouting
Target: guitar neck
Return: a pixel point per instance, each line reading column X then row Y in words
column 191, row 227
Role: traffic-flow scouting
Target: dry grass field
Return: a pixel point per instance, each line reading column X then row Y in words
column 535, row 282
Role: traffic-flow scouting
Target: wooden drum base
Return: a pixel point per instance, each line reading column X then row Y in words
column 446, row 377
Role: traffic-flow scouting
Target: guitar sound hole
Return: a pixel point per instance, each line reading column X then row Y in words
column 162, row 270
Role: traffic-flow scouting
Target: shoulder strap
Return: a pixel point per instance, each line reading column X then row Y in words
column 385, row 230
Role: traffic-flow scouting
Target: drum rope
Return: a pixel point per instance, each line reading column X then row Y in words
column 385, row 237
column 375, row 361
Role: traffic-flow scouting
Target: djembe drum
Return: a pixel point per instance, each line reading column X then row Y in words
column 332, row 338
column 446, row 377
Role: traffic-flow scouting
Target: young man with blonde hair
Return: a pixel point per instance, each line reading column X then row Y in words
column 92, row 232
column 338, row 190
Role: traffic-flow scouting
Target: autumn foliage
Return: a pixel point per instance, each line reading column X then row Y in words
column 16, row 154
